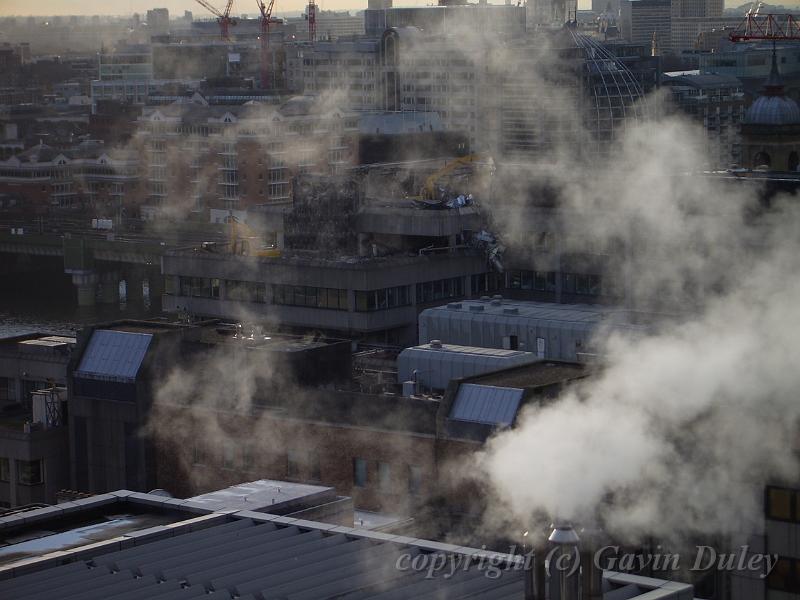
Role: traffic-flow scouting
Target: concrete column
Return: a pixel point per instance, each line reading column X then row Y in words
column 108, row 288
column 86, row 283
column 155, row 282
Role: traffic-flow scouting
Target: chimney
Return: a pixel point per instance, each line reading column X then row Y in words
column 563, row 569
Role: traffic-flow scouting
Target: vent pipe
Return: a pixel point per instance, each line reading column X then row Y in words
column 564, row 568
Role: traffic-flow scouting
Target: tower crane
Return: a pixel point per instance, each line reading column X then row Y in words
column 266, row 18
column 312, row 21
column 764, row 27
column 223, row 17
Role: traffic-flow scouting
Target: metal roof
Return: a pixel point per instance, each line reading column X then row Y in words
column 487, row 404
column 114, row 355
column 252, row 559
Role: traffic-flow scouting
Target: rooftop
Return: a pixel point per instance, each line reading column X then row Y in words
column 241, row 554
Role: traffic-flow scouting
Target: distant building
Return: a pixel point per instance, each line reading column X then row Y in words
column 237, row 156
column 640, row 20
column 508, row 20
column 717, row 103
column 158, row 21
column 689, row 33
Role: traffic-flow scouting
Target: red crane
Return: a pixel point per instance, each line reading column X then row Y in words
column 758, row 27
column 266, row 19
column 312, row 21
column 223, row 17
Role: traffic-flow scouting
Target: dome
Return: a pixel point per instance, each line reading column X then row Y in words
column 773, row 110
column 772, row 107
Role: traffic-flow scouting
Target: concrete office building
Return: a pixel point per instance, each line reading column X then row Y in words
column 688, row 33
column 717, row 103
column 348, row 69
column 34, row 444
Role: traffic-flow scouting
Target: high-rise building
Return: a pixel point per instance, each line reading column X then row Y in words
column 158, row 21
column 641, row 20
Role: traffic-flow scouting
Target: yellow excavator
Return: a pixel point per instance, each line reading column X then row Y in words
column 241, row 237
column 429, row 189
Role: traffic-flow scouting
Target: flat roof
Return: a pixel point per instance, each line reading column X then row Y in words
column 263, row 494
column 249, row 555
column 550, row 311
column 540, row 373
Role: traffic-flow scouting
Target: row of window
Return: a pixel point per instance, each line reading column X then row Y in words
column 384, row 299
column 545, row 281
column 384, row 476
column 782, row 504
column 442, row 289
column 312, row 297
column 29, row 472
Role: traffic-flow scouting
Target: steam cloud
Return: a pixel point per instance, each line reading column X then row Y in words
column 681, row 429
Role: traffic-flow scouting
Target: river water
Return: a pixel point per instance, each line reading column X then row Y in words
column 47, row 303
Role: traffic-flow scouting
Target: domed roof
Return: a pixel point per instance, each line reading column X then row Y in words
column 773, row 110
column 772, row 107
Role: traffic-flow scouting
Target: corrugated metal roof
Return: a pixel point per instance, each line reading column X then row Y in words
column 249, row 559
column 486, row 404
column 114, row 355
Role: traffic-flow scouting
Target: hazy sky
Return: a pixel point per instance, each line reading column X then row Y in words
column 121, row 7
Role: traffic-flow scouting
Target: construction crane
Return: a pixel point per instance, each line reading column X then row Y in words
column 223, row 17
column 266, row 18
column 766, row 27
column 312, row 21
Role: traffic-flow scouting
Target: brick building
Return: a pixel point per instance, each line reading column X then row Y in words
column 236, row 157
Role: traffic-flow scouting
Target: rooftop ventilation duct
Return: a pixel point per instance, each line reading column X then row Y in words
column 476, row 308
column 454, row 306
column 436, row 343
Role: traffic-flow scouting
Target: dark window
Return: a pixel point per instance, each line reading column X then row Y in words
column 316, row 470
column 131, row 456
column 414, row 480
column 81, row 454
column 367, row 301
column 782, row 504
column 29, row 472
column 293, row 464
column 359, row 472
column 298, row 295
column 385, row 477
column 5, row 469
column 785, row 576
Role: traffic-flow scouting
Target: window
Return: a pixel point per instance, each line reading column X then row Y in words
column 29, row 472
column 785, row 576
column 414, row 480
column 384, row 477
column 199, row 453
column 441, row 289
column 247, row 457
column 293, row 464
column 228, row 454
column 299, row 295
column 316, row 470
column 5, row 469
column 368, row 301
column 245, row 291
column 782, row 504
column 359, row 472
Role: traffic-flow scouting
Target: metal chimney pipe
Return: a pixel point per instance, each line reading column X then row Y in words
column 562, row 559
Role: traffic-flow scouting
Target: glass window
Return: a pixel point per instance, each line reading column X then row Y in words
column 293, row 464
column 316, row 470
column 5, row 469
column 414, row 480
column 247, row 457
column 779, row 503
column 29, row 472
column 359, row 472
column 228, row 454
column 384, row 477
